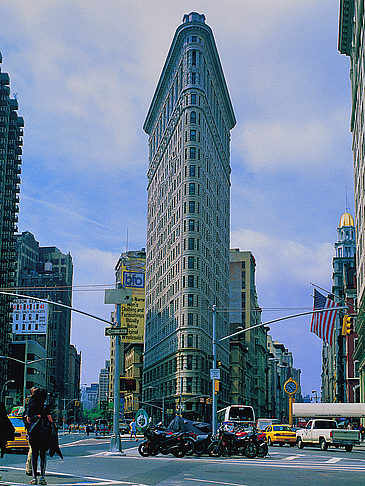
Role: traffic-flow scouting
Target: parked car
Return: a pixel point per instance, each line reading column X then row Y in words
column 20, row 436
column 280, row 434
column 124, row 426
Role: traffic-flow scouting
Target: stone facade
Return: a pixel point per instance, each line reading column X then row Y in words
column 351, row 43
column 248, row 351
column 188, row 124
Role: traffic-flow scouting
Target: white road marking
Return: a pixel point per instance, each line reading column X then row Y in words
column 290, row 458
column 95, row 481
column 333, row 460
column 215, row 482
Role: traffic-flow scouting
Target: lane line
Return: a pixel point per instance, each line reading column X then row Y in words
column 333, row 460
column 215, row 482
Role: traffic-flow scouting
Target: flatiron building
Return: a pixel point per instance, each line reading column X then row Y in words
column 188, row 222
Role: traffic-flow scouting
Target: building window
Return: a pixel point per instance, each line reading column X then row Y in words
column 193, row 117
column 190, row 319
column 193, row 58
column 189, row 362
column 190, row 262
column 192, row 152
column 191, row 188
column 190, row 340
column 191, row 224
column 193, row 98
column 191, row 206
column 192, row 170
column 190, row 243
column 193, row 78
column 192, row 135
column 190, row 280
column 190, row 300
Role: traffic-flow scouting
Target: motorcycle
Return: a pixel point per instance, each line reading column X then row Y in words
column 164, row 442
column 263, row 448
column 228, row 443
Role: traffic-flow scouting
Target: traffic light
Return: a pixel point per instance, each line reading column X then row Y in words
column 219, row 364
column 347, row 325
column 217, row 385
column 77, row 403
column 128, row 384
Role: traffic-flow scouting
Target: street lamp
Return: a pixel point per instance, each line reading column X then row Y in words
column 3, row 388
column 25, row 363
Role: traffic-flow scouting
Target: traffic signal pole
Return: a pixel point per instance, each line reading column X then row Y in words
column 214, row 393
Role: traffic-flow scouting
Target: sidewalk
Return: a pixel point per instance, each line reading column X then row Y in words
column 13, row 475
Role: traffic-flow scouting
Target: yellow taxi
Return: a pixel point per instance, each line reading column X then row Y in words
column 20, row 436
column 280, row 434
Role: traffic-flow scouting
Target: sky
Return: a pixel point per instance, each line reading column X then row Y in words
column 84, row 73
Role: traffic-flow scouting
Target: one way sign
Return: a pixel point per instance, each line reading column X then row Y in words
column 118, row 296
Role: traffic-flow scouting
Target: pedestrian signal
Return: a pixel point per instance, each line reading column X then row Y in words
column 347, row 325
column 217, row 386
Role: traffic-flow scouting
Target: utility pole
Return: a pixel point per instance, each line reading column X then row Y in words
column 214, row 393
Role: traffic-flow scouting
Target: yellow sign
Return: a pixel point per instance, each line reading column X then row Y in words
column 133, row 273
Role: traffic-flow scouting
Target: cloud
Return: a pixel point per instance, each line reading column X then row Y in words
column 286, row 260
column 281, row 145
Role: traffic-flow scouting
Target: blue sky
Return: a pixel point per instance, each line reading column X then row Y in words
column 85, row 72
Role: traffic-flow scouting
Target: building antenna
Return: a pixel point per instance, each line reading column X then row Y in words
column 347, row 209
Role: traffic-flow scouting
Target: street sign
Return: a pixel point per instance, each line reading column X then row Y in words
column 118, row 296
column 215, row 374
column 116, row 331
column 142, row 419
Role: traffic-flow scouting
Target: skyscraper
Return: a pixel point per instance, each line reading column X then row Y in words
column 47, row 273
column 188, row 124
column 351, row 42
column 11, row 133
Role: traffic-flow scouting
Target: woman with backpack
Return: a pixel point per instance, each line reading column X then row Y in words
column 40, row 420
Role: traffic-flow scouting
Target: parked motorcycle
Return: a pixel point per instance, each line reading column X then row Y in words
column 228, row 443
column 164, row 442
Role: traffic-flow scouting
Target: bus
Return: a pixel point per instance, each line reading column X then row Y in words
column 237, row 415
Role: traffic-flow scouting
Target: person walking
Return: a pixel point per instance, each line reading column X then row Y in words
column 28, row 465
column 133, row 429
column 39, row 417
column 87, row 429
column 6, row 429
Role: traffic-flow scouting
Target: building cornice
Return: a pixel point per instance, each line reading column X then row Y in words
column 165, row 78
column 345, row 26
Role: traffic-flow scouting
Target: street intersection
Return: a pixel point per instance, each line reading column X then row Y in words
column 87, row 462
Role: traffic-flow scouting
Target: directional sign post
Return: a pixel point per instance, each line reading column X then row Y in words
column 118, row 296
column 116, row 331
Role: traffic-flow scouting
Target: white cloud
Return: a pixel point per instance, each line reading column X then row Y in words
column 281, row 145
column 279, row 260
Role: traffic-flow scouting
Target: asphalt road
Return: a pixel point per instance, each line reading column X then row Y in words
column 87, row 462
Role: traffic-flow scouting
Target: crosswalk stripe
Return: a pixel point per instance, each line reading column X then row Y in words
column 333, row 460
column 290, row 458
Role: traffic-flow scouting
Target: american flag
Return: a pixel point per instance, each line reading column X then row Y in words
column 323, row 323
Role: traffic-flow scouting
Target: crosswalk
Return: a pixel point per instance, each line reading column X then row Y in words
column 273, row 460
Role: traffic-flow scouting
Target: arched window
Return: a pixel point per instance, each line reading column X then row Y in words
column 193, row 117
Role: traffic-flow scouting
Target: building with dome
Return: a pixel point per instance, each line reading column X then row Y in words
column 351, row 43
column 338, row 371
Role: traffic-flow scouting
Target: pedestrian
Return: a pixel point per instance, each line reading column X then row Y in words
column 6, row 430
column 40, row 435
column 362, row 432
column 133, row 429
column 28, row 465
column 87, row 430
column 96, row 430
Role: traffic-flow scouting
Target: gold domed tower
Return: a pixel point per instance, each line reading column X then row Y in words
column 346, row 220
column 346, row 245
